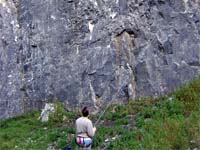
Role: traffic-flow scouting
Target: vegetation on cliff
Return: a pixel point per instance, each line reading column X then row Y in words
column 168, row 122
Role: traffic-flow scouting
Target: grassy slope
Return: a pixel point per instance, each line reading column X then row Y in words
column 170, row 122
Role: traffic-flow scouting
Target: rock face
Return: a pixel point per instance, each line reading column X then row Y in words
column 48, row 109
column 10, row 67
column 91, row 52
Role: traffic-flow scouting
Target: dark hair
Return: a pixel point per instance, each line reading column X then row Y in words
column 85, row 112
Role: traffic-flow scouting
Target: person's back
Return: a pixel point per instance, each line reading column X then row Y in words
column 84, row 127
column 84, row 130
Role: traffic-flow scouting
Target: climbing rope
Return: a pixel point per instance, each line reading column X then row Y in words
column 101, row 115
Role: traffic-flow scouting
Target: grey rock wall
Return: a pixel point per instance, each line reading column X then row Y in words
column 10, row 72
column 91, row 52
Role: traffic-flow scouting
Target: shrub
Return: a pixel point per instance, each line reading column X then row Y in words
column 60, row 115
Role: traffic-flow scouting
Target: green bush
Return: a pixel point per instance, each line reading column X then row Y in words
column 60, row 114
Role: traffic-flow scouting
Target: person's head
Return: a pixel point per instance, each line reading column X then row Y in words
column 85, row 112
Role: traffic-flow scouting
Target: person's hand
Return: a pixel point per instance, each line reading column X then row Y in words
column 94, row 129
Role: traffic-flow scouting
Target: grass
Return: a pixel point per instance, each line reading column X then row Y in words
column 170, row 122
column 28, row 132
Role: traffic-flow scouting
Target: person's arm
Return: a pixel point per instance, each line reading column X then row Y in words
column 90, row 129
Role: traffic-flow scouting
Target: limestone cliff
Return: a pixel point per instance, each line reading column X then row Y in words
column 93, row 51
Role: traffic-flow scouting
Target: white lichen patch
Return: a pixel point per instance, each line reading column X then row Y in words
column 94, row 2
column 17, row 25
column 16, row 38
column 10, row 76
column 113, row 14
column 77, row 49
column 12, row 22
column 53, row 17
column 91, row 27
column 186, row 5
column 108, row 46
column 3, row 3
